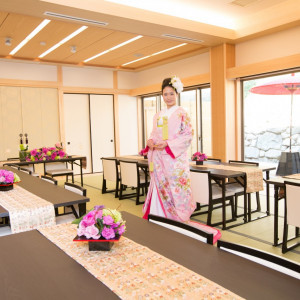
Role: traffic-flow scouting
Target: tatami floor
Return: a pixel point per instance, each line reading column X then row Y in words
column 257, row 234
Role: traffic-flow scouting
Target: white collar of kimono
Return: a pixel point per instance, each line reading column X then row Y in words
column 167, row 112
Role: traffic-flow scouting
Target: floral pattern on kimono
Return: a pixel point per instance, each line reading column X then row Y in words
column 171, row 176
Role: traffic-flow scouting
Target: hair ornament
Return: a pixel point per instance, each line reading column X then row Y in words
column 176, row 84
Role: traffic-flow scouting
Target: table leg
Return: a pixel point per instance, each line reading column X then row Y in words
column 81, row 175
column 82, row 209
column 223, row 204
column 268, row 193
column 245, row 202
column 276, row 215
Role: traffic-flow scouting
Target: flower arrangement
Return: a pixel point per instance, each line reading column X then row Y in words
column 177, row 84
column 198, row 156
column 47, row 153
column 101, row 222
column 144, row 151
column 8, row 177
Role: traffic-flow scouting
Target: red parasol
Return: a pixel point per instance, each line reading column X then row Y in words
column 284, row 86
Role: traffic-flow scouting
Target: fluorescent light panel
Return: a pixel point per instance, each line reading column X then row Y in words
column 113, row 48
column 156, row 53
column 82, row 28
column 30, row 36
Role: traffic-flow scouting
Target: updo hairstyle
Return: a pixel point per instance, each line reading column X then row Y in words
column 167, row 82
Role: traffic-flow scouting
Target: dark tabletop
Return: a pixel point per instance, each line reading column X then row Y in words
column 243, row 277
column 56, row 195
column 32, row 267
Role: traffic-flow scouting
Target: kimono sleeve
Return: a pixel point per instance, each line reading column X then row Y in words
column 183, row 138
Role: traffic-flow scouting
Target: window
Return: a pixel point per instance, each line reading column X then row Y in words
column 197, row 103
column 188, row 100
column 269, row 118
column 150, row 108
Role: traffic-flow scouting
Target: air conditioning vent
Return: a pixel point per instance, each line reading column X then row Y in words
column 242, row 3
column 182, row 38
column 71, row 18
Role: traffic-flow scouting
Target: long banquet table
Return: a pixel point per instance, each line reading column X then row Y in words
column 56, row 195
column 222, row 175
column 278, row 182
column 70, row 159
column 32, row 267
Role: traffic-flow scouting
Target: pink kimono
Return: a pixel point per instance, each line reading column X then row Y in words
column 170, row 179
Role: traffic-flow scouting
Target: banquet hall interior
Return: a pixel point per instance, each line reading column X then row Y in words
column 87, row 75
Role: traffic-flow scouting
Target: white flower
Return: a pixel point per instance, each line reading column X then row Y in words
column 177, row 84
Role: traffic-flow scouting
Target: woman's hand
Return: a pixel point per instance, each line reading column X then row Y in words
column 161, row 145
column 150, row 144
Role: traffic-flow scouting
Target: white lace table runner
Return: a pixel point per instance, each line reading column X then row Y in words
column 133, row 271
column 26, row 210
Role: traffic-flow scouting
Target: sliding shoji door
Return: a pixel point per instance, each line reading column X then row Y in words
column 89, row 128
column 27, row 110
column 102, row 128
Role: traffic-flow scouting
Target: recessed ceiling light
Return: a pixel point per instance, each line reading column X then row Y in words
column 73, row 49
column 7, row 41
column 30, row 36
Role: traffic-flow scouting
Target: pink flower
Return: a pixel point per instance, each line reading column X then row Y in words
column 121, row 229
column 182, row 181
column 33, row 152
column 81, row 229
column 177, row 190
column 163, row 191
column 98, row 214
column 92, row 232
column 61, row 153
column 89, row 219
column 198, row 156
column 108, row 220
column 108, row 233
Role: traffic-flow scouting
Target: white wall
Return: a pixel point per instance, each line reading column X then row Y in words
column 128, row 125
column 280, row 44
column 127, row 80
column 27, row 71
column 187, row 67
column 87, row 77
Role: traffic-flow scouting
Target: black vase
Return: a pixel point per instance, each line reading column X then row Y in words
column 6, row 187
column 100, row 246
column 198, row 162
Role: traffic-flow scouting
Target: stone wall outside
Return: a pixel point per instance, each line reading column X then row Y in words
column 266, row 144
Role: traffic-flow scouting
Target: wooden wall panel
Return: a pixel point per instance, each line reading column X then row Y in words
column 11, row 119
column 50, row 117
column 32, row 117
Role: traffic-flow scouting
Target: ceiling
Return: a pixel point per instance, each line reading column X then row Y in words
column 246, row 18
